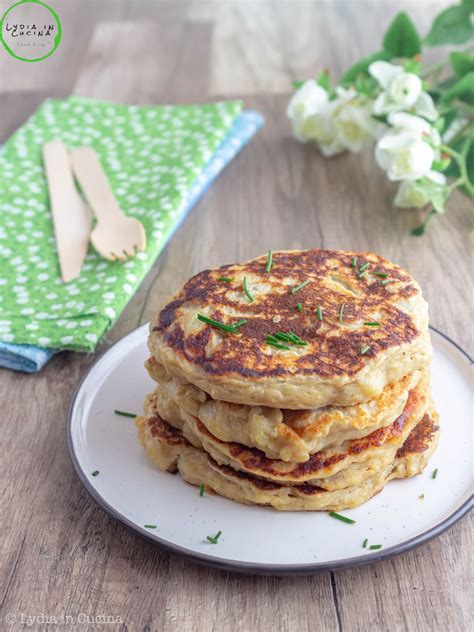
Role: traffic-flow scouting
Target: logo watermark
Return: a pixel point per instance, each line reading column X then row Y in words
column 41, row 618
column 30, row 30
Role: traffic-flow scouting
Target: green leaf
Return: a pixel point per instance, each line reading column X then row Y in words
column 465, row 144
column 401, row 38
column 297, row 83
column 462, row 63
column 324, row 81
column 451, row 26
column 361, row 67
column 462, row 90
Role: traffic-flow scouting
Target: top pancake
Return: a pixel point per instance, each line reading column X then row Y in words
column 344, row 361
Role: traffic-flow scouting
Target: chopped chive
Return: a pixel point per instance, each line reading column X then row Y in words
column 201, row 489
column 150, row 526
column 277, row 345
column 354, row 262
column 374, row 547
column 95, row 472
column 300, row 286
column 239, row 323
column 296, row 339
column 225, row 279
column 215, row 323
column 124, row 414
column 214, row 538
column 280, row 335
column 362, row 274
column 247, row 291
column 299, row 307
column 364, row 266
column 364, row 543
column 385, row 282
column 268, row 267
column 341, row 312
column 435, row 473
column 363, row 350
column 383, row 275
column 421, row 497
column 320, row 312
column 338, row 516
column 372, row 324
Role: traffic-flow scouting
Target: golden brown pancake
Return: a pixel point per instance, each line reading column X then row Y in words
column 288, row 435
column 170, row 451
column 345, row 360
column 342, row 465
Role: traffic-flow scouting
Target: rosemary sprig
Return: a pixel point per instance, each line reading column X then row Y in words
column 300, row 286
column 268, row 267
column 247, row 291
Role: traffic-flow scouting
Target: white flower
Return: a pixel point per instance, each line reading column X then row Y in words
column 309, row 100
column 345, row 122
column 411, row 195
column 353, row 120
column 401, row 91
column 407, row 150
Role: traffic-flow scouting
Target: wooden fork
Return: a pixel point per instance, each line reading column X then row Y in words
column 115, row 236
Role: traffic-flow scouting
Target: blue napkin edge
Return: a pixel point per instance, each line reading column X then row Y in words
column 31, row 359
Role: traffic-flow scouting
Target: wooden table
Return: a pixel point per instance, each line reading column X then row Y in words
column 60, row 553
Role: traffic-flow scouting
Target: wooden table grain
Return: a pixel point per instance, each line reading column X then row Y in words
column 61, row 555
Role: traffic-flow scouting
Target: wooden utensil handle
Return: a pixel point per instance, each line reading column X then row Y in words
column 93, row 182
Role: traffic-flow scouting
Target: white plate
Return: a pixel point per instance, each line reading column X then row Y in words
column 256, row 539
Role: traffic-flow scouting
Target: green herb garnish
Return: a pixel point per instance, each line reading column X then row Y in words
column 383, row 275
column 320, row 312
column 274, row 343
column 362, row 274
column 95, row 472
column 363, row 350
column 354, row 262
column 247, row 291
column 372, row 324
column 364, row 543
column 150, row 526
column 299, row 307
column 225, row 279
column 374, row 547
column 435, row 473
column 364, row 266
column 124, row 414
column 239, row 323
column 385, row 282
column 214, row 538
column 341, row 312
column 201, row 489
column 421, row 497
column 338, row 516
column 268, row 267
column 299, row 287
column 215, row 323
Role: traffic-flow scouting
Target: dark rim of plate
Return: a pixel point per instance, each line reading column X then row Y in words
column 249, row 567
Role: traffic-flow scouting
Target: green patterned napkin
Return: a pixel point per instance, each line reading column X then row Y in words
column 152, row 156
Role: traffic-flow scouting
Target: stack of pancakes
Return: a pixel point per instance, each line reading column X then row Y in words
column 298, row 380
